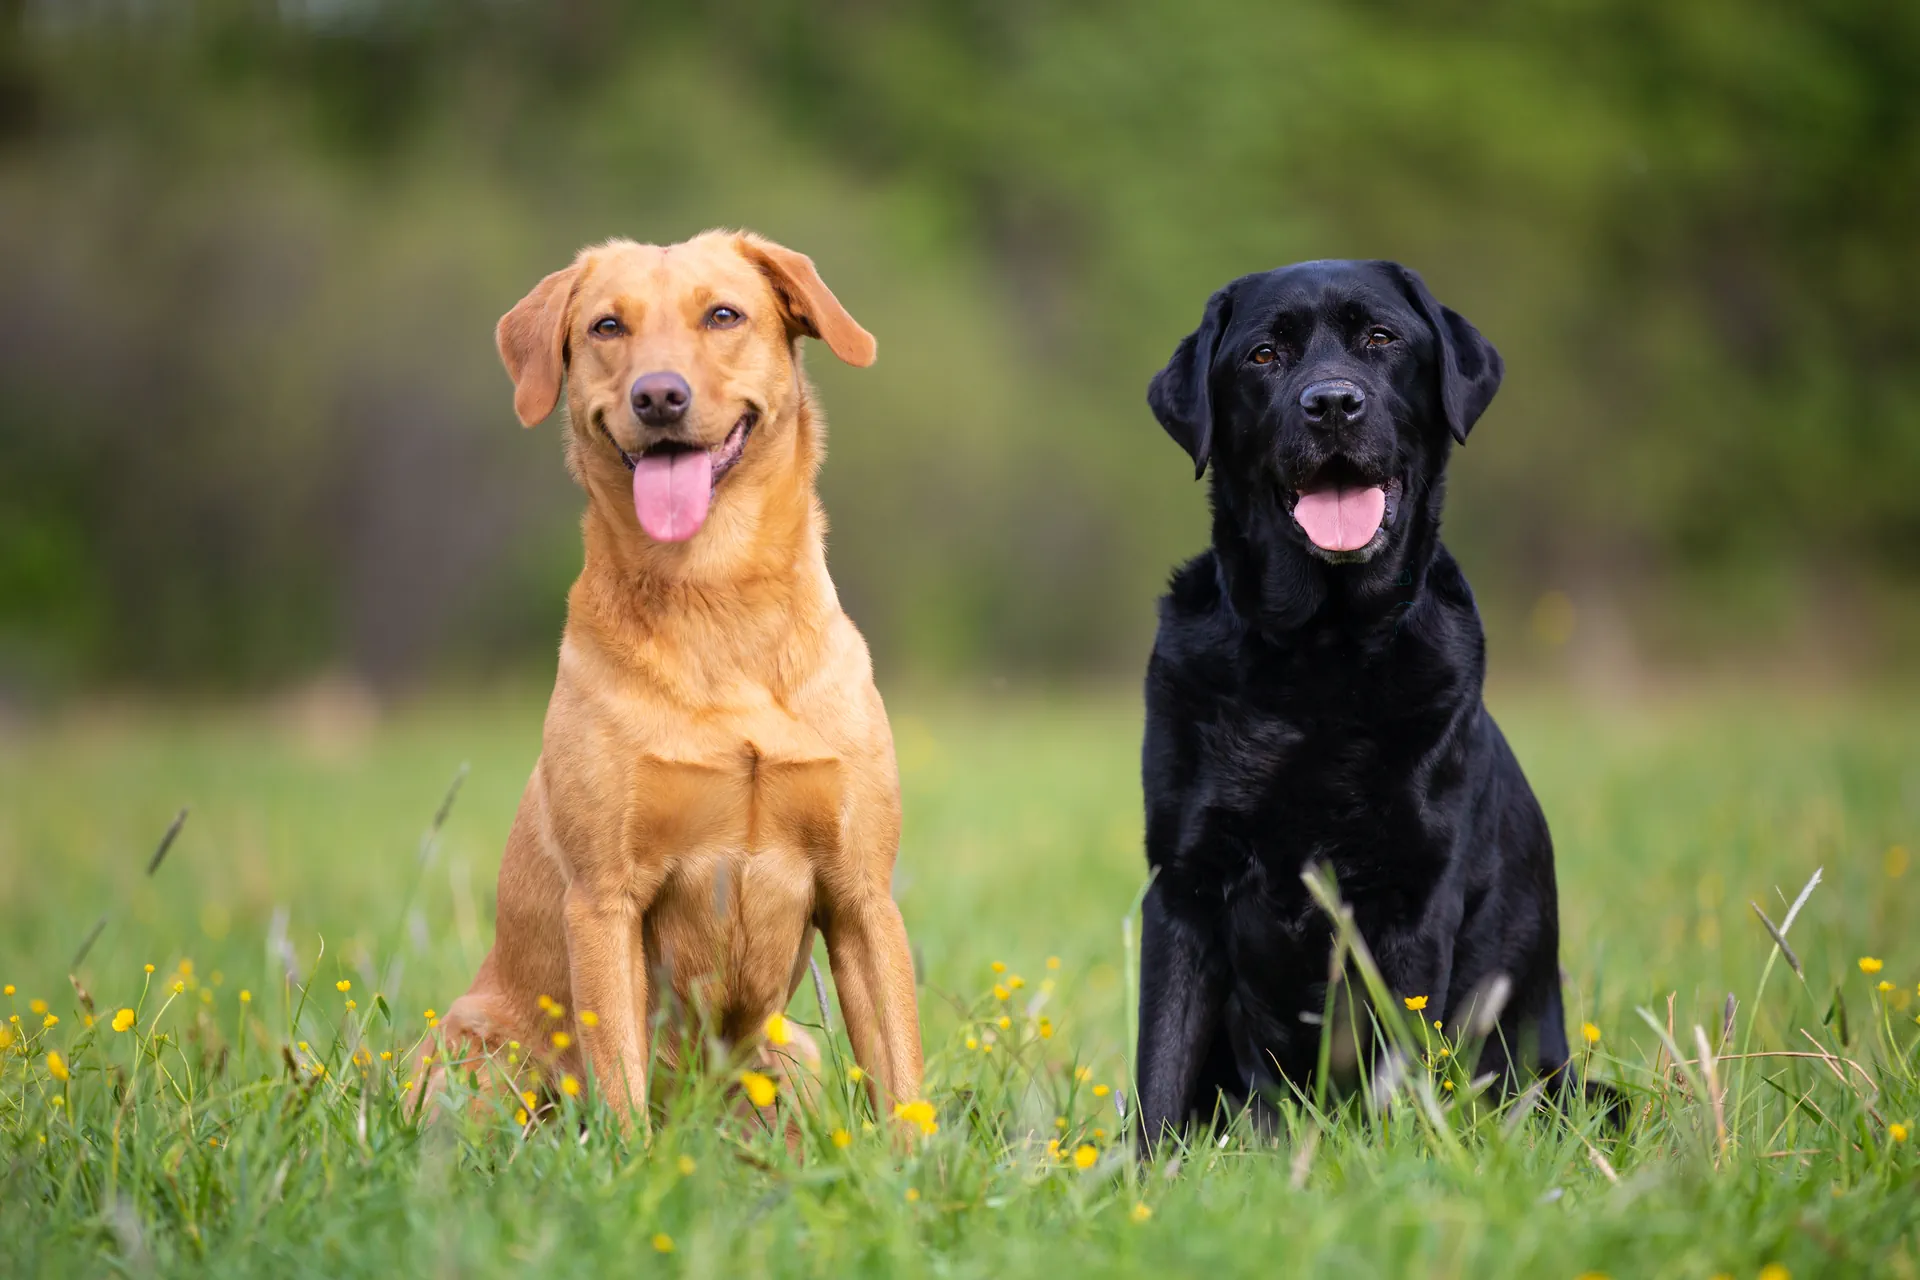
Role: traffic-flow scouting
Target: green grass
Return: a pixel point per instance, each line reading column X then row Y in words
column 186, row 1144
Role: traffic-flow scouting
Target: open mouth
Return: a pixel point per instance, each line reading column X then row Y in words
column 1345, row 514
column 674, row 482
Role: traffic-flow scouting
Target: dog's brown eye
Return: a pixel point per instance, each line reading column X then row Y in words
column 607, row 326
column 1378, row 337
column 723, row 318
column 1262, row 354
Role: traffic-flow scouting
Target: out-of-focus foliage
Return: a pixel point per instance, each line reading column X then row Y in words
column 251, row 424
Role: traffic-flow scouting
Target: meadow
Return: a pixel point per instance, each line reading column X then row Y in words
column 218, row 1089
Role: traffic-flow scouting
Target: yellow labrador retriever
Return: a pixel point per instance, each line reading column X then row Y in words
column 717, row 777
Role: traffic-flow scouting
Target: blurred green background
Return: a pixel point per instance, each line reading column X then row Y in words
column 253, row 429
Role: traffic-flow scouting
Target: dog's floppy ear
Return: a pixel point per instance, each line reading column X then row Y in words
column 533, row 345
column 1179, row 394
column 1470, row 368
column 810, row 306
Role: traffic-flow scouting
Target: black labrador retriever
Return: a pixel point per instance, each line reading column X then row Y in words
column 1314, row 696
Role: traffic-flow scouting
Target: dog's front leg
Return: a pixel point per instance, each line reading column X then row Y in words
column 603, row 942
column 1183, row 985
column 873, row 973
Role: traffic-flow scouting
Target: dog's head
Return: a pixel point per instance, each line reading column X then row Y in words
column 679, row 361
column 1326, row 396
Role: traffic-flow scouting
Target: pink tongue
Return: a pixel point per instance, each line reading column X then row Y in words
column 671, row 492
column 1341, row 519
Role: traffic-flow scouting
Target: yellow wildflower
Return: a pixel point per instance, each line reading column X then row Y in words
column 589, row 1019
column 186, row 968
column 856, row 1075
column 1416, row 1003
column 570, row 1086
column 842, row 1139
column 913, row 1195
column 149, row 968
column 6, row 1037
column 1046, row 1028
column 776, row 1029
column 1053, row 962
column 52, row 1020
column 246, row 997
column 556, row 1010
column 919, row 1113
column 761, row 1089
column 430, row 1015
column 1898, row 1132
column 6, row 990
column 37, row 1006
column 1140, row 1212
column 662, row 1242
column 1871, row 964
column 1084, row 1156
column 1447, row 1085
column 561, row 1040
column 178, row 986
column 1060, row 1123
column 1000, row 991
column 1775, row 1271
column 1003, row 1022
column 58, row 1101
column 352, row 1005
column 529, row 1098
column 1083, row 1074
column 1016, row 982
column 343, row 986
column 998, row 967
column 1101, row 1091
column 686, row 1165
column 1590, row 1033
column 973, row 1042
column 1053, row 1148
column 1885, row 986
column 57, row 1066
column 386, row 1055
column 520, row 1116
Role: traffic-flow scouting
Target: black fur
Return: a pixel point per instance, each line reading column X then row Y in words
column 1309, row 706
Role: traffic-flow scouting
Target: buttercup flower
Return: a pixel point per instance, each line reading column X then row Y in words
column 1885, row 986
column 998, row 967
column 57, row 1066
column 37, row 1006
column 842, row 1139
column 1416, row 1003
column 1140, row 1212
column 570, row 1086
column 856, row 1075
column 6, row 990
column 1898, row 1132
column 246, row 997
column 776, row 1029
column 686, row 1166
column 662, row 1242
column 919, row 1113
column 761, row 1089
column 343, row 986
column 1101, row 1091
column 1084, row 1156
column 1871, row 964
column 1053, row 962
column 1590, row 1033
column 520, row 1116
column 1000, row 991
column 52, row 1020
column 589, row 1019
column 123, row 1020
column 1775, row 1271
column 561, row 1040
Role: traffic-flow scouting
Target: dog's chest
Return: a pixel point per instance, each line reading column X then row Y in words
column 772, row 793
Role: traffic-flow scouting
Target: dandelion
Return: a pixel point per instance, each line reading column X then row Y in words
column 1590, row 1033
column 37, row 1007
column 998, row 967
column 913, row 1195
column 855, row 1075
column 52, row 1020
column 589, row 1019
column 1871, row 964
column 1101, row 1091
column 1898, row 1132
column 1000, row 991
column 1416, row 1003
column 662, row 1242
column 246, row 997
column 561, row 1040
column 1140, row 1212
column 343, row 986
column 570, row 1086
column 1084, row 1156
column 1053, row 962
column 776, row 1029
column 761, row 1089
column 686, row 1165
column 842, row 1139
column 919, row 1113
column 57, row 1066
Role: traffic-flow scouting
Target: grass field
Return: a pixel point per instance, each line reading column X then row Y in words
column 206, row 1137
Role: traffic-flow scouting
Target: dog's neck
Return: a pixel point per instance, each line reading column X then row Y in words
column 742, row 600
column 1279, row 588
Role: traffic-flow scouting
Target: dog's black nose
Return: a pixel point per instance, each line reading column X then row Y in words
column 1334, row 398
column 660, row 399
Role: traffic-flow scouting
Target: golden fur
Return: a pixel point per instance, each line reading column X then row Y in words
column 717, row 775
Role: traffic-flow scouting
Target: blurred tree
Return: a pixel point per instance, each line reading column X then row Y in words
column 250, row 256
